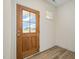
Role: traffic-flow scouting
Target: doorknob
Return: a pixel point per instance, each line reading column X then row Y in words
column 18, row 34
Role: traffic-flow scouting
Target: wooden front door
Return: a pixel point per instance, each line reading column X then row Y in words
column 27, row 31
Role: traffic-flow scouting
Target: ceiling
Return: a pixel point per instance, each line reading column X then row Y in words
column 58, row 2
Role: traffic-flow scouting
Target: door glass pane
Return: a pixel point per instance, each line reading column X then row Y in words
column 25, row 27
column 25, row 16
column 32, row 22
column 25, row 21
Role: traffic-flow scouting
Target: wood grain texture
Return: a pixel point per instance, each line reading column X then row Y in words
column 19, row 33
column 54, row 53
column 27, row 43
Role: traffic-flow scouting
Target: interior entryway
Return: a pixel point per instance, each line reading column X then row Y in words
column 22, row 19
column 27, row 31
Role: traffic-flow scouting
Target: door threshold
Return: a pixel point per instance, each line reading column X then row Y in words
column 31, row 55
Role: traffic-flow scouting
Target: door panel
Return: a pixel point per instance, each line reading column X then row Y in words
column 27, row 31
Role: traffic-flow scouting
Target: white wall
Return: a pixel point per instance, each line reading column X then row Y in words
column 47, row 27
column 7, row 29
column 65, row 26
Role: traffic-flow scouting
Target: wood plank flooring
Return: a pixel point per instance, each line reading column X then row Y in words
column 54, row 53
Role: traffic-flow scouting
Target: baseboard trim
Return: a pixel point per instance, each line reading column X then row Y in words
column 64, row 48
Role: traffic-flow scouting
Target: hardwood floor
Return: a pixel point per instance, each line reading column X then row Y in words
column 54, row 53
